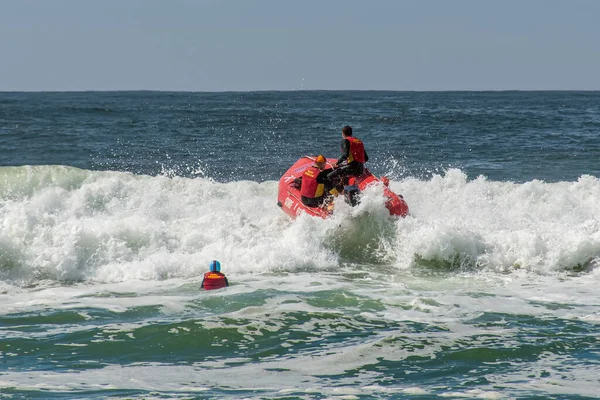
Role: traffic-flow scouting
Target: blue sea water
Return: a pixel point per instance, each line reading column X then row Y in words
column 113, row 203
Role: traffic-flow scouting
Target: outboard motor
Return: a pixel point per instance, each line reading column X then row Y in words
column 351, row 193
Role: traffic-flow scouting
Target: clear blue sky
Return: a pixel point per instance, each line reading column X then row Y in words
column 218, row 45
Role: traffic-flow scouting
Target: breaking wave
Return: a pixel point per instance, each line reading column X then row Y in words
column 66, row 224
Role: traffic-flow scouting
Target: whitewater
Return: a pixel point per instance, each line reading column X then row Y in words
column 66, row 224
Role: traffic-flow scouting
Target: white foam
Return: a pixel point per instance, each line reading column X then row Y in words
column 537, row 226
column 74, row 225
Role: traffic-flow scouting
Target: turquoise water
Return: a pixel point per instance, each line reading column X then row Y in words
column 112, row 204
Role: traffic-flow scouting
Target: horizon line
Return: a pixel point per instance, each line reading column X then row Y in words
column 297, row 90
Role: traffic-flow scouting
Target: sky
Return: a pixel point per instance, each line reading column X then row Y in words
column 243, row 45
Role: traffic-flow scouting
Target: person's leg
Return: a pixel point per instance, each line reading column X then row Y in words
column 337, row 177
column 312, row 202
column 328, row 185
column 356, row 169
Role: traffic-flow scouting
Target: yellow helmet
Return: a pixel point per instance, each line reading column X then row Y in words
column 320, row 159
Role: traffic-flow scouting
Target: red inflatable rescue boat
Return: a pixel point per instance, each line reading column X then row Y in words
column 288, row 197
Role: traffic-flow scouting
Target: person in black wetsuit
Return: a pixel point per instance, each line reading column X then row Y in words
column 352, row 159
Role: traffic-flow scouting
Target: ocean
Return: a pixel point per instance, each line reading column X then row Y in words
column 112, row 205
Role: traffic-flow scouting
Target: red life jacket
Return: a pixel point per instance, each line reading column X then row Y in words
column 310, row 187
column 214, row 280
column 357, row 150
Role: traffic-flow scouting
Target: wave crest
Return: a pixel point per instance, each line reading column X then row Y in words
column 67, row 224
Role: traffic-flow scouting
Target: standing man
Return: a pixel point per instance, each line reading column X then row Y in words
column 353, row 158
